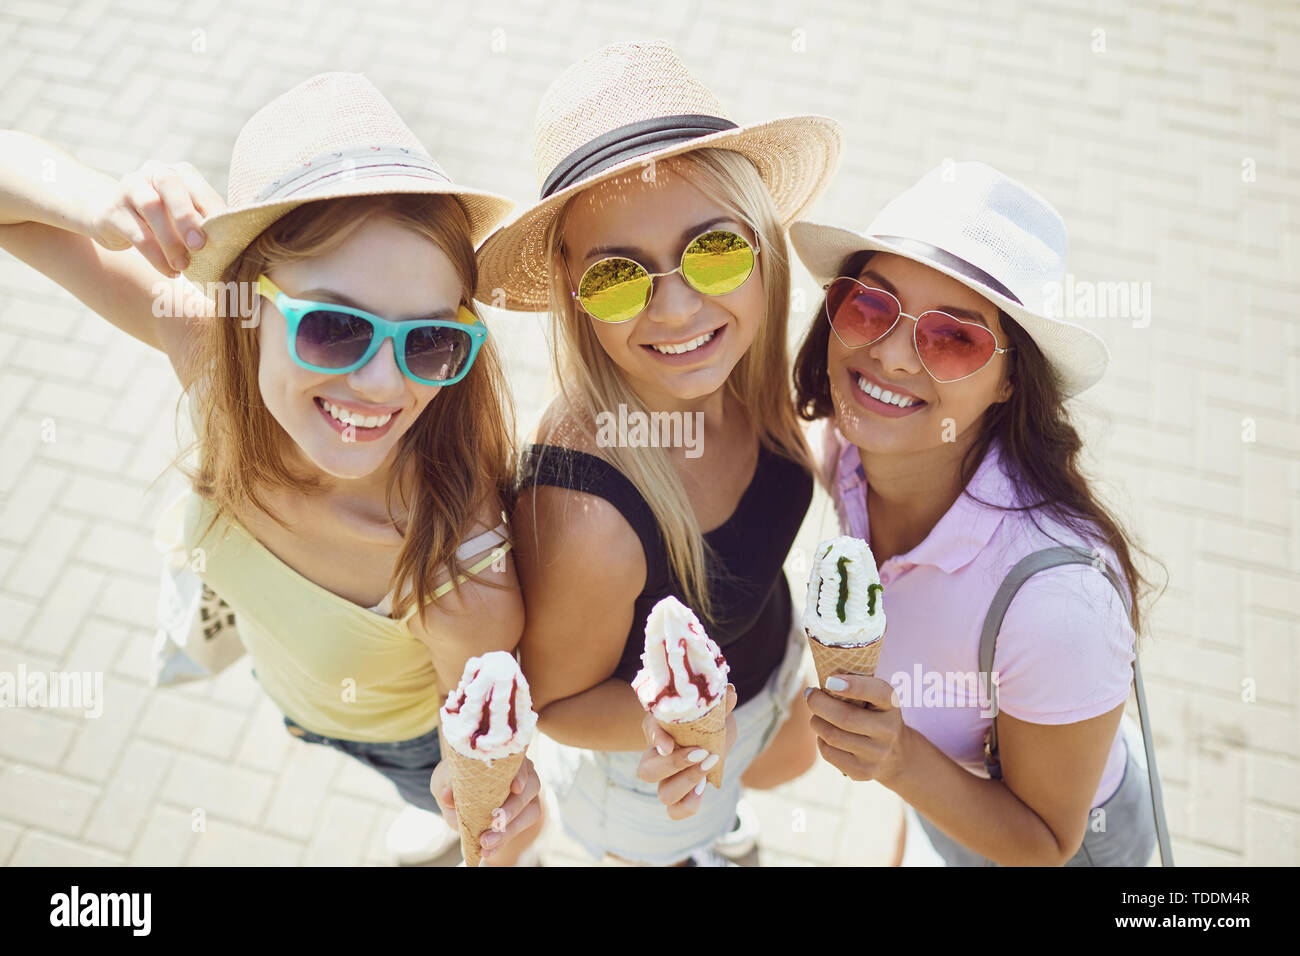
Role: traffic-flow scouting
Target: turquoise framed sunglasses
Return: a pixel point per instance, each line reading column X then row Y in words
column 336, row 339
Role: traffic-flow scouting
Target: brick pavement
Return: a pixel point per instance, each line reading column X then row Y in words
column 1164, row 132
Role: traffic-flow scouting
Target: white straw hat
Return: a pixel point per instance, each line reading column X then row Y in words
column 990, row 233
column 622, row 106
column 333, row 135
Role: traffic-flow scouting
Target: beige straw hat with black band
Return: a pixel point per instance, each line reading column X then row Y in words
column 331, row 136
column 615, row 111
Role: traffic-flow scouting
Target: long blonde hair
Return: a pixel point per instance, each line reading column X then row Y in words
column 591, row 382
column 460, row 451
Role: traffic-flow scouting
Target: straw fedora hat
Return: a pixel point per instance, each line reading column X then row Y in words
column 990, row 233
column 332, row 135
column 622, row 106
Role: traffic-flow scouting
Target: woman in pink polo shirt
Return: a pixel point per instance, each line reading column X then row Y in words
column 950, row 451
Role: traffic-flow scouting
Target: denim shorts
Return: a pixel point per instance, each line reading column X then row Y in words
column 607, row 808
column 407, row 763
column 1121, row 832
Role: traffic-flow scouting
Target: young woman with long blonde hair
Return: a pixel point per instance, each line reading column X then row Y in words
column 658, row 248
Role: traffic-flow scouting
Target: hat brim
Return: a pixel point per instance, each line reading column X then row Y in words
column 795, row 157
column 1076, row 354
column 231, row 232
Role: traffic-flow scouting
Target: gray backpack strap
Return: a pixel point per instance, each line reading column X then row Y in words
column 1025, row 568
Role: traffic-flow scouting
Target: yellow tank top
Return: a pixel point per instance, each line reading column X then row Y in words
column 332, row 666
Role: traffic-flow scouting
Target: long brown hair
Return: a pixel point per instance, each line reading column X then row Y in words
column 460, row 451
column 1040, row 446
column 590, row 381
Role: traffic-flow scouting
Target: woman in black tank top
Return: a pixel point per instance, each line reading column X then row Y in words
column 752, row 616
column 665, row 271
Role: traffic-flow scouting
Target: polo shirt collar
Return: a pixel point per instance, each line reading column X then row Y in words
column 967, row 527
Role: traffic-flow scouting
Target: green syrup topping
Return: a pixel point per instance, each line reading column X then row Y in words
column 844, row 587
column 871, row 597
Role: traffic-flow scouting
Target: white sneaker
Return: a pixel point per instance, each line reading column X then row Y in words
column 743, row 836
column 419, row 836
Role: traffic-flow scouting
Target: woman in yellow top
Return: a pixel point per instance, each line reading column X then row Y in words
column 355, row 443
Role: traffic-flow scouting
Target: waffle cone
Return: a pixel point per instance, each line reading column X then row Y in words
column 478, row 787
column 832, row 659
column 709, row 732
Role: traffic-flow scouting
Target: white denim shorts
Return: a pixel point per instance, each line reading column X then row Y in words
column 607, row 808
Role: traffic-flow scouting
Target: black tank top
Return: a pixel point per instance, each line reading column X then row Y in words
column 752, row 609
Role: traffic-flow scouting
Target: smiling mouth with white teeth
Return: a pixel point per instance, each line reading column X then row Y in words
column 885, row 395
column 348, row 417
column 684, row 347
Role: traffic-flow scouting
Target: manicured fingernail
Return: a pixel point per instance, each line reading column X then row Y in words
column 806, row 692
column 695, row 756
column 700, row 789
column 836, row 683
column 710, row 763
column 664, row 749
column 194, row 239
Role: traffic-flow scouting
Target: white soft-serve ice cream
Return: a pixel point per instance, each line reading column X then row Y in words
column 683, row 674
column 490, row 714
column 845, row 605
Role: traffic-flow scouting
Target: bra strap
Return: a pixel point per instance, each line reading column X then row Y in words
column 481, row 542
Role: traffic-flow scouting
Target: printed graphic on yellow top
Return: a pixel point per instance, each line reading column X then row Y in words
column 332, row 666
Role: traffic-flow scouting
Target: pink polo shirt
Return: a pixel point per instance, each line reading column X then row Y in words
column 1065, row 650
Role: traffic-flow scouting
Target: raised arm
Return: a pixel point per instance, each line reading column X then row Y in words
column 114, row 245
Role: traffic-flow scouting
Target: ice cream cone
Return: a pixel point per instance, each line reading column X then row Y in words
column 834, row 659
column 478, row 787
column 709, row 732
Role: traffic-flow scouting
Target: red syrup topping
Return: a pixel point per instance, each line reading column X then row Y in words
column 484, row 721
column 701, row 684
column 671, row 689
column 511, row 719
column 459, row 697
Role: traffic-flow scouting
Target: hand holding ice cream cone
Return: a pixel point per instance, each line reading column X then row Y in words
column 486, row 725
column 681, row 771
column 683, row 686
column 512, row 822
column 865, row 741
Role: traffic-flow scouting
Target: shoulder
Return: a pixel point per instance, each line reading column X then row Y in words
column 1063, row 593
column 489, row 517
column 562, row 426
column 1067, row 595
column 1066, row 647
column 566, row 508
column 485, row 607
column 568, row 539
column 566, row 531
